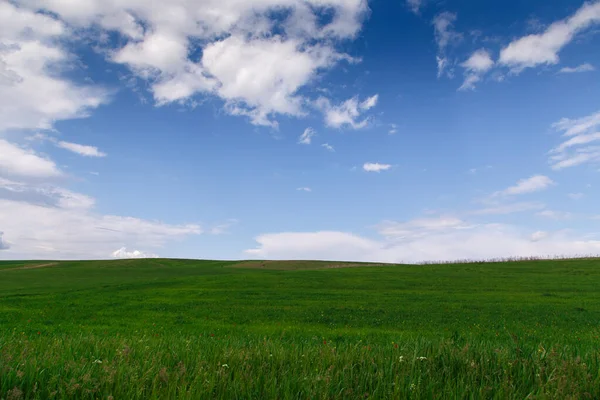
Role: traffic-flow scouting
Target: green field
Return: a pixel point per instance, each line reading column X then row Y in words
column 157, row 329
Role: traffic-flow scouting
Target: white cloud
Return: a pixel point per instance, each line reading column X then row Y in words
column 304, row 189
column 261, row 76
column 123, row 253
column 376, row 167
column 576, row 141
column 574, row 127
column 3, row 244
column 393, row 129
column 20, row 162
column 83, row 150
column 576, row 149
column 528, row 185
column 414, row 5
column 49, row 222
column 504, row 209
column 551, row 214
column 369, row 103
column 478, row 64
column 575, row 196
column 543, row 48
column 256, row 63
column 328, row 147
column 33, row 93
column 420, row 227
column 539, row 235
column 480, row 61
column 307, row 136
column 347, row 113
column 445, row 35
column 481, row 242
column 580, row 68
column 442, row 64
column 470, row 81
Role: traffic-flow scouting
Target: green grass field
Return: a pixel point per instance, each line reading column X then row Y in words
column 158, row 329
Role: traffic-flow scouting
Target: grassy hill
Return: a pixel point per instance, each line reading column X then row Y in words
column 300, row 329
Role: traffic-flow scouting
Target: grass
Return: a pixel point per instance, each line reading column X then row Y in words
column 155, row 329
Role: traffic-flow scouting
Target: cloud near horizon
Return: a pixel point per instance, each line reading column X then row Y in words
column 414, row 243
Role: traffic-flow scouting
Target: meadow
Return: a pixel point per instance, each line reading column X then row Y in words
column 193, row 329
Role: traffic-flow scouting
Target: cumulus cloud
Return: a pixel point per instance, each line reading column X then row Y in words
column 307, row 135
column 348, row 113
column 83, row 150
column 478, row 242
column 33, row 92
column 543, row 48
column 233, row 49
column 477, row 65
column 123, row 253
column 578, row 146
column 376, row 167
column 304, row 189
column 480, row 61
column 445, row 35
column 580, row 68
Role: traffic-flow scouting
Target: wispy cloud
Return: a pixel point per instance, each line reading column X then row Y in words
column 577, row 148
column 304, row 189
column 581, row 68
column 552, row 214
column 307, row 136
column 414, row 5
column 445, row 35
column 82, row 150
column 509, row 208
column 328, row 147
column 528, row 185
column 223, row 227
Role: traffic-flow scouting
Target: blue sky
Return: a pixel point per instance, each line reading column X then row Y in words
column 394, row 131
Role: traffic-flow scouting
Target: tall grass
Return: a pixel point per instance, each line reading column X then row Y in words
column 253, row 367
